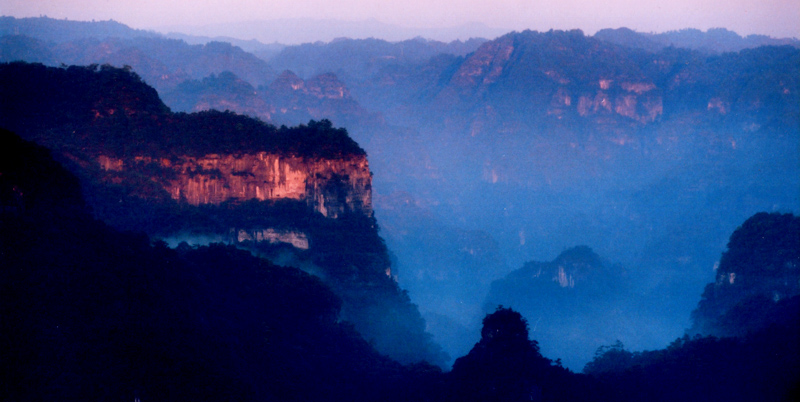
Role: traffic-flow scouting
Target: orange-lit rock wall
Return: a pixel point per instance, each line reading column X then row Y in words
column 329, row 186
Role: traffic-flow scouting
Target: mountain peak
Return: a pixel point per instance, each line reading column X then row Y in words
column 760, row 268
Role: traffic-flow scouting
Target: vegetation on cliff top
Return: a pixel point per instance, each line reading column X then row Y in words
column 103, row 109
column 88, row 312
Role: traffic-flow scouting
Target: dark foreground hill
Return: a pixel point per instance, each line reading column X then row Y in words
column 753, row 306
column 89, row 312
column 301, row 194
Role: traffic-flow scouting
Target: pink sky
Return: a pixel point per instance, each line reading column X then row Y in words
column 780, row 18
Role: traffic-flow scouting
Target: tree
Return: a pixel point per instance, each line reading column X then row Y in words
column 504, row 365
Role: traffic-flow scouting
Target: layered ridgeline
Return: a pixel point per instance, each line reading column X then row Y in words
column 300, row 194
column 517, row 148
column 546, row 140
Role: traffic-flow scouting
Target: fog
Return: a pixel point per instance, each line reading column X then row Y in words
column 469, row 188
column 666, row 222
column 475, row 175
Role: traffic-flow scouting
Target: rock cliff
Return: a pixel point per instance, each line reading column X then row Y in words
column 301, row 195
column 330, row 186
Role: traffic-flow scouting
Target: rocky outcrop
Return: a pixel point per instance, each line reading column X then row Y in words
column 634, row 100
column 323, row 86
column 296, row 239
column 329, row 186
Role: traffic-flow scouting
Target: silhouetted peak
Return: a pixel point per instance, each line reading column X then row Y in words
column 503, row 325
column 31, row 180
column 760, row 268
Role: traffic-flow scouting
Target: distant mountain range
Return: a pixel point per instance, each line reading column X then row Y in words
column 648, row 148
column 298, row 31
column 715, row 40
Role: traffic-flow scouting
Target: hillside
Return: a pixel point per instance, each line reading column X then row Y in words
column 743, row 344
column 759, row 269
column 515, row 149
column 163, row 63
column 576, row 302
column 302, row 194
column 100, row 314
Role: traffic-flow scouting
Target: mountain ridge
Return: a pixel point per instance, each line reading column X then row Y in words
column 306, row 197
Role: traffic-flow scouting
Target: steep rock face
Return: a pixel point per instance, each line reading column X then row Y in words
column 330, row 186
column 577, row 76
column 634, row 100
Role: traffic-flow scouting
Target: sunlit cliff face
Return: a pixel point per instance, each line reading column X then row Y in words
column 330, row 186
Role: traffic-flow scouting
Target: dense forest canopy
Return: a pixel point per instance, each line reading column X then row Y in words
column 107, row 109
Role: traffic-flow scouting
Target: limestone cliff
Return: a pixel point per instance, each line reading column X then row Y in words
column 215, row 174
column 329, row 186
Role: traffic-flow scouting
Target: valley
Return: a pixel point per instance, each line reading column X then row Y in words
column 599, row 185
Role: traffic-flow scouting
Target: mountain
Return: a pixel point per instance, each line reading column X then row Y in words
column 225, row 91
column 757, row 271
column 713, row 41
column 302, row 194
column 539, row 79
column 163, row 63
column 264, row 51
column 534, row 142
column 303, row 30
column 743, row 342
column 358, row 60
column 577, row 302
column 98, row 313
column 544, row 140
column 53, row 30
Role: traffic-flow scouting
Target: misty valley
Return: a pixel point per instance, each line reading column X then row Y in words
column 541, row 216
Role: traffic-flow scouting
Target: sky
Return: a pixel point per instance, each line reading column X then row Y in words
column 777, row 18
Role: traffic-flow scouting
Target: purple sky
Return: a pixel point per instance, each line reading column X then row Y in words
column 780, row 18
